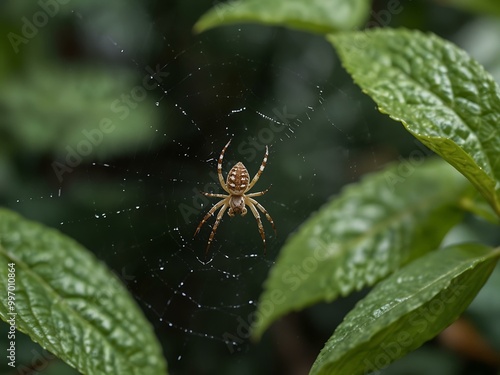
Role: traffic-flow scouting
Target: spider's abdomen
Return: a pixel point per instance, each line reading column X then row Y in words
column 237, row 179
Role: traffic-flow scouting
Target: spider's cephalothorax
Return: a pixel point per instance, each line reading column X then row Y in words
column 237, row 184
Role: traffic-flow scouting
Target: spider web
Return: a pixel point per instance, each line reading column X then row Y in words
column 273, row 87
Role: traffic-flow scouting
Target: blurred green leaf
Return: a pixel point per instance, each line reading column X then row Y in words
column 440, row 94
column 369, row 231
column 485, row 310
column 71, row 305
column 476, row 204
column 480, row 6
column 7, row 58
column 319, row 16
column 50, row 109
column 479, row 38
column 405, row 310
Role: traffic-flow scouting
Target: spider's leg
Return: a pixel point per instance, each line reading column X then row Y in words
column 259, row 172
column 219, row 167
column 259, row 222
column 264, row 211
column 214, row 195
column 209, row 213
column 216, row 224
column 259, row 193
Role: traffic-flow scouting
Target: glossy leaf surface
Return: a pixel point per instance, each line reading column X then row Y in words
column 370, row 230
column 440, row 94
column 319, row 16
column 69, row 303
column 405, row 310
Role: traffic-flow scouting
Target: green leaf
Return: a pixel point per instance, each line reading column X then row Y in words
column 319, row 16
column 69, row 303
column 405, row 310
column 481, row 6
column 370, row 230
column 440, row 94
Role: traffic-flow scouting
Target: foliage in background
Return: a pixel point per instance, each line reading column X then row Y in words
column 55, row 104
column 480, row 6
column 86, row 98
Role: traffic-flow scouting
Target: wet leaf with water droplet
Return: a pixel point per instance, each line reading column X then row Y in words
column 441, row 95
column 370, row 230
column 398, row 317
column 69, row 303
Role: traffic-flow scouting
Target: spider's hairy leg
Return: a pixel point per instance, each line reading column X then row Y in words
column 214, row 195
column 219, row 167
column 209, row 213
column 264, row 211
column 259, row 222
column 216, row 224
column 259, row 193
column 259, row 172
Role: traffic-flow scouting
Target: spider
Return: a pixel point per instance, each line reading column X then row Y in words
column 237, row 184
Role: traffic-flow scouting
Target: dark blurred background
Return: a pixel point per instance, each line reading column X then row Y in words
column 112, row 117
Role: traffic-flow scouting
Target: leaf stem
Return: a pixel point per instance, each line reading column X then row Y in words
column 478, row 208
